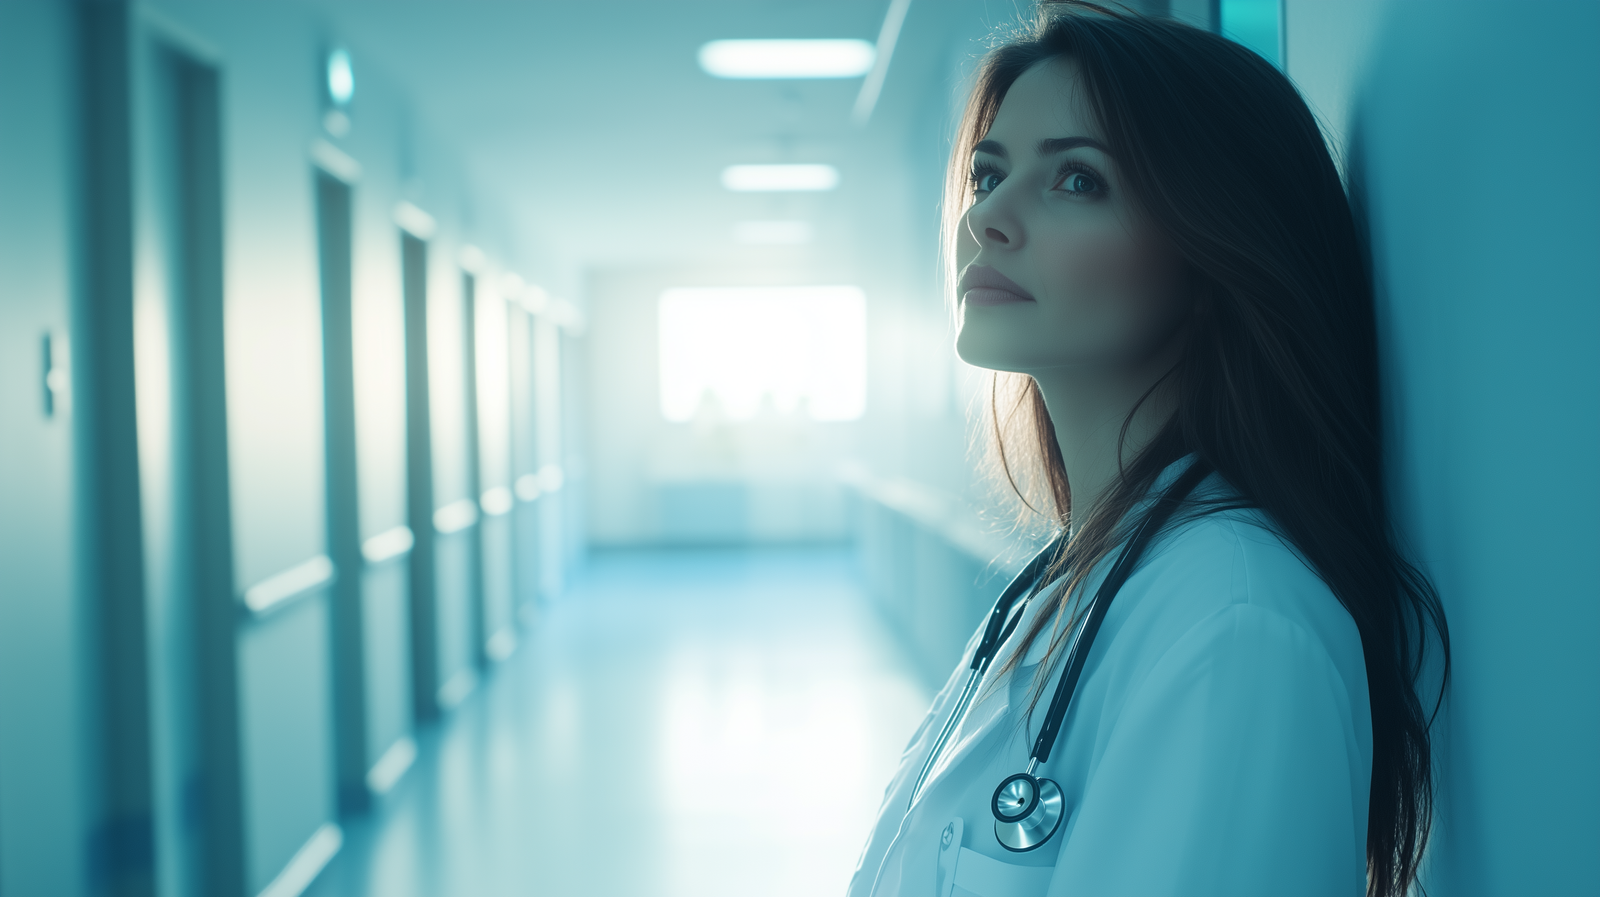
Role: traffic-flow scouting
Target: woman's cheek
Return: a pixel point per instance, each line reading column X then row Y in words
column 1097, row 279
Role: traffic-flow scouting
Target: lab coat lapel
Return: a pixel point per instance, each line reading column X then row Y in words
column 993, row 705
column 987, row 712
column 991, row 708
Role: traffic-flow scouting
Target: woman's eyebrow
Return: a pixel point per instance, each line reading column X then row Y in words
column 1052, row 145
column 1047, row 147
column 992, row 147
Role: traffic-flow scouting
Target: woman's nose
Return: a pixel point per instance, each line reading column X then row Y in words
column 993, row 225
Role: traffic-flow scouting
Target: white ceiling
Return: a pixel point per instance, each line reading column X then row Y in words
column 593, row 127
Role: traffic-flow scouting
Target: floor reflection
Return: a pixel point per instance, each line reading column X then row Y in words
column 683, row 723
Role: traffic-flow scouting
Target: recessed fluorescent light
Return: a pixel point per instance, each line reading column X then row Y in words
column 787, row 58
column 772, row 233
column 774, row 178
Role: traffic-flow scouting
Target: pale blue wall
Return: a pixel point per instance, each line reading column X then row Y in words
column 44, row 792
column 1474, row 149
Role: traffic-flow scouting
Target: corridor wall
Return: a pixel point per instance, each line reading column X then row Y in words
column 206, row 617
column 1487, row 312
column 49, row 794
column 1472, row 153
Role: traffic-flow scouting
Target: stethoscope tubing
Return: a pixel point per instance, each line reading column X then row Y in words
column 1028, row 809
column 1083, row 640
column 996, row 631
column 997, row 628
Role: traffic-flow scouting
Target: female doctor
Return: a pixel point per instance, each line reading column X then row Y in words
column 1208, row 683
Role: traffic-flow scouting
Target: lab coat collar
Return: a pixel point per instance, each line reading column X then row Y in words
column 991, row 707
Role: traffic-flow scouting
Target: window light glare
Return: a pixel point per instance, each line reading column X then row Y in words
column 779, row 178
column 341, row 77
column 743, row 353
column 772, row 233
column 787, row 58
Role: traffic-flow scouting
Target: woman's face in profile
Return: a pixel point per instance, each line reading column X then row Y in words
column 1057, row 269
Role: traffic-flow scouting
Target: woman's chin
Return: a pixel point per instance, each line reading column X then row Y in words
column 980, row 353
column 992, row 351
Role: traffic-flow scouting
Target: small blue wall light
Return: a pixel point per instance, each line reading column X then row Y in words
column 1258, row 24
column 341, row 80
column 340, row 83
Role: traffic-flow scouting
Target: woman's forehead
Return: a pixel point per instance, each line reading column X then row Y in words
column 1046, row 101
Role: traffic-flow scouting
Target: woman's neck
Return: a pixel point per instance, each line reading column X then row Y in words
column 1088, row 409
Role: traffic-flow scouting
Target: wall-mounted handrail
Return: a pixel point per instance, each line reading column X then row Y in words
column 937, row 512
column 455, row 516
column 335, row 161
column 392, row 765
column 307, row 862
column 414, row 221
column 387, row 545
column 496, row 501
column 284, row 588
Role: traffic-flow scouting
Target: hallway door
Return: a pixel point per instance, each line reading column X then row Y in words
column 497, row 531
column 334, row 262
column 364, row 421
column 238, row 574
column 524, row 465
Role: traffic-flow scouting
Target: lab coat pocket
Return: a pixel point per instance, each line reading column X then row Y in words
column 967, row 873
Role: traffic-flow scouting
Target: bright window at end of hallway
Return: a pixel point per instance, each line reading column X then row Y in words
column 741, row 353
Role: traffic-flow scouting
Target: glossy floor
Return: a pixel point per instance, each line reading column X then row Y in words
column 683, row 723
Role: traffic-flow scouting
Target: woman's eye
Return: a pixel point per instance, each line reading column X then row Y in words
column 986, row 181
column 1078, row 182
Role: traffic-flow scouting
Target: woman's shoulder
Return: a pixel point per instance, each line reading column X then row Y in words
column 1236, row 562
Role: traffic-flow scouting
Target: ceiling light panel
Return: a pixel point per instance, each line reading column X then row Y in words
column 787, row 58
column 779, row 178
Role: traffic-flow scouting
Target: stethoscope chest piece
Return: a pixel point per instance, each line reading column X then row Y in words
column 1027, row 811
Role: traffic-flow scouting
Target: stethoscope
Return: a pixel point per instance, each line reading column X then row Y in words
column 1028, row 809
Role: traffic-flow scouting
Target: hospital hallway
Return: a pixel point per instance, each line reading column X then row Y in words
column 476, row 448
column 681, row 724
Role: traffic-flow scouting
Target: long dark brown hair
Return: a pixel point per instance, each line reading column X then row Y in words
column 1277, row 386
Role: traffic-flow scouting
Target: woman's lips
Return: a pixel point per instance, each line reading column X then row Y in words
column 983, row 285
column 991, row 296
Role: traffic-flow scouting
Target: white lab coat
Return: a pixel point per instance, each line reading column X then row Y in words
column 1220, row 741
